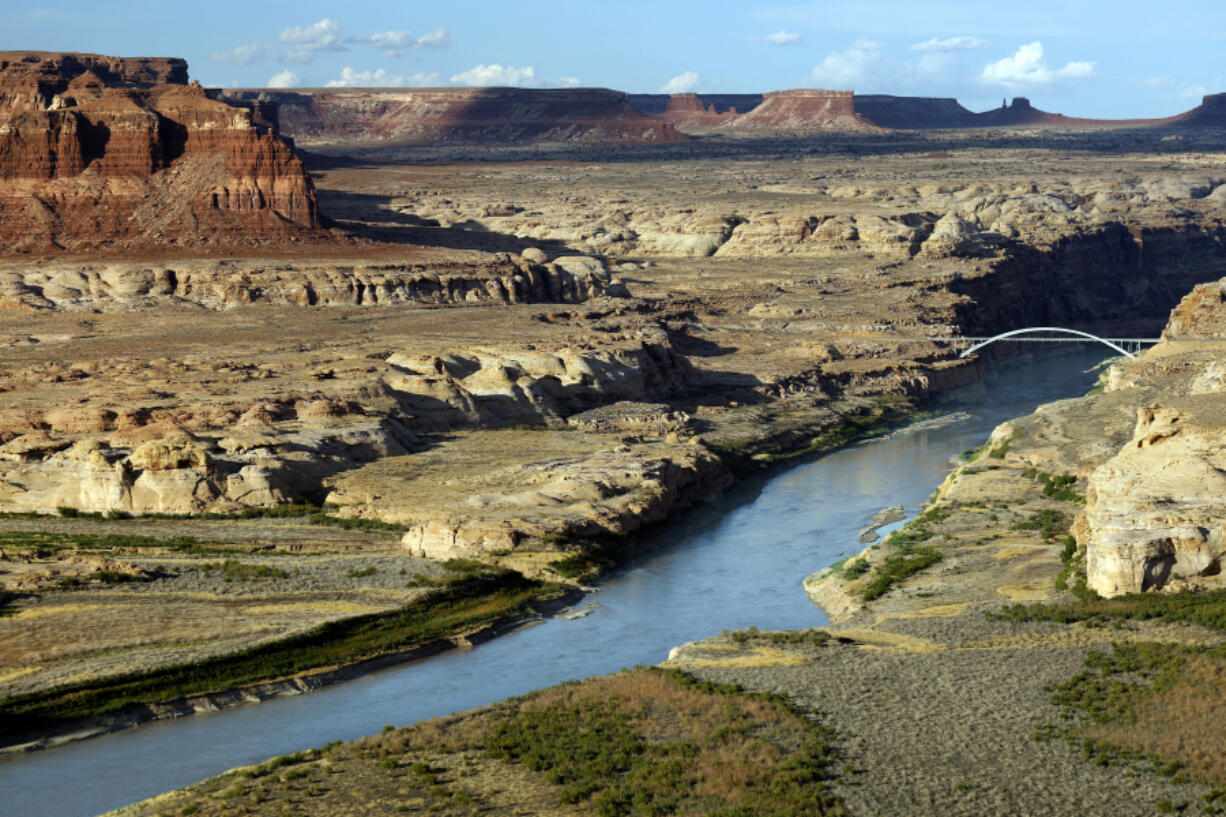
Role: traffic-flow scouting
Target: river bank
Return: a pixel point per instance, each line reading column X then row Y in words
column 735, row 556
column 948, row 707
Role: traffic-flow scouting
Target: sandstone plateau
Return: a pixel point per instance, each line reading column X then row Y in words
column 513, row 352
column 103, row 153
column 482, row 115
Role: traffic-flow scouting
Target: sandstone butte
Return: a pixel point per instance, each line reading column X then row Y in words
column 102, row 152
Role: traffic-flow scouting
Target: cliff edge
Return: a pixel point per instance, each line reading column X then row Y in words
column 114, row 153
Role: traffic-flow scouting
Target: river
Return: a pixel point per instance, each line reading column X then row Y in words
column 728, row 566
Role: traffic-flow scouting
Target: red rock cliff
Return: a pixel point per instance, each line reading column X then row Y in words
column 103, row 152
column 363, row 116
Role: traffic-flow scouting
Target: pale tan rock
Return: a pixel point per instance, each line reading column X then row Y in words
column 1157, row 510
column 168, row 455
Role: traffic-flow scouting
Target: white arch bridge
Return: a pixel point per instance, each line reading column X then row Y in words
column 969, row 345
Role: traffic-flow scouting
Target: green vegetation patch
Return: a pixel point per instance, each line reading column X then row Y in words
column 896, row 568
column 650, row 741
column 232, row 570
column 481, row 600
column 46, row 544
column 311, row 514
column 1204, row 609
column 1155, row 706
column 1047, row 522
column 1056, row 486
column 814, row 637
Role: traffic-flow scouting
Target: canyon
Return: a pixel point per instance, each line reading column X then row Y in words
column 321, row 332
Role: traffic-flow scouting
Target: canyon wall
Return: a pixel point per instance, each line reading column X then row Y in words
column 1156, row 510
column 108, row 153
column 360, row 116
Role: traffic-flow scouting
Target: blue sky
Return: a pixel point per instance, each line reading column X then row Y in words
column 1079, row 57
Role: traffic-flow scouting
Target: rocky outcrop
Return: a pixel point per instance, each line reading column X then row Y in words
column 1201, row 314
column 613, row 492
column 108, row 153
column 1211, row 113
column 689, row 111
column 234, row 455
column 1157, row 510
column 921, row 113
column 32, row 79
column 801, row 112
column 503, row 279
column 369, row 116
column 492, row 388
column 717, row 103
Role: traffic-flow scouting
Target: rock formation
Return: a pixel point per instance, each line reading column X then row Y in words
column 502, row 279
column 715, row 103
column 801, row 112
column 111, row 153
column 1201, row 314
column 689, row 111
column 1156, row 511
column 362, row 116
column 1210, row 113
column 913, row 112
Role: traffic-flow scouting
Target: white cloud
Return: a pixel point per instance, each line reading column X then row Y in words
column 399, row 43
column 284, row 79
column 682, row 83
column 1155, row 82
column 494, row 74
column 950, row 44
column 439, row 38
column 1028, row 69
column 861, row 65
column 380, row 78
column 569, row 82
column 1198, row 91
column 306, row 43
column 782, row 37
column 242, row 55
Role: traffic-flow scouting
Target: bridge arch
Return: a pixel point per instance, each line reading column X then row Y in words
column 1033, row 329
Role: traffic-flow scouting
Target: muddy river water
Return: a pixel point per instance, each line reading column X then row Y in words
column 737, row 564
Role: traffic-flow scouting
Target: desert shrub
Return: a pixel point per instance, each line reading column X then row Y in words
column 234, row 570
column 1047, row 522
column 655, row 742
column 896, row 567
column 857, row 568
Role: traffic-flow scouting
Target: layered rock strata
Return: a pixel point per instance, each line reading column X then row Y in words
column 502, row 279
column 801, row 112
column 234, row 454
column 107, row 153
column 360, row 116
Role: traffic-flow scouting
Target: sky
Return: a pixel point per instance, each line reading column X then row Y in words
column 1089, row 58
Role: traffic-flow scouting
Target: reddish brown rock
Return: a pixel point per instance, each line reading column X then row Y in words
column 104, row 152
column 502, row 115
column 801, row 112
